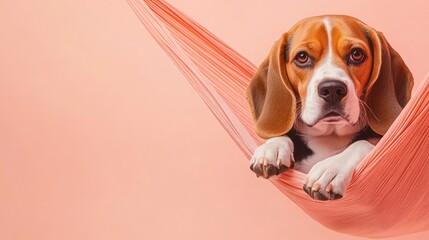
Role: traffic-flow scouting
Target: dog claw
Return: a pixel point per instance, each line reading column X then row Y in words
column 267, row 171
column 321, row 195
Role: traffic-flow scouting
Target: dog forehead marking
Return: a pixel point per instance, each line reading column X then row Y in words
column 329, row 34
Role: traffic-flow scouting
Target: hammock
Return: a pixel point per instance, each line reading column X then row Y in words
column 387, row 195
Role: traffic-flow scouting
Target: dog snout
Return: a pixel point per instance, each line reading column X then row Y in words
column 332, row 91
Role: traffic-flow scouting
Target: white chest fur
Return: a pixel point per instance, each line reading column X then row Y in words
column 322, row 147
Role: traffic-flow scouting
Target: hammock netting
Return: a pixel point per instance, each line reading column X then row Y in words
column 388, row 194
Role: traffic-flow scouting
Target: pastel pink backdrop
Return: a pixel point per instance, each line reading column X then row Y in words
column 101, row 137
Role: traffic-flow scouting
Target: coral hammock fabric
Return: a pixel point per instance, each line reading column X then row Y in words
column 388, row 195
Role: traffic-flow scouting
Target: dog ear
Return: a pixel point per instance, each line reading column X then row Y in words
column 270, row 96
column 389, row 87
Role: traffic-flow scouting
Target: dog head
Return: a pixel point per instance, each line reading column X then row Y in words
column 329, row 70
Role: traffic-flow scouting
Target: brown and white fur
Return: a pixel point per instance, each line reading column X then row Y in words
column 328, row 90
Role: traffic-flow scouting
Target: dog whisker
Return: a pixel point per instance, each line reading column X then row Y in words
column 365, row 107
column 298, row 112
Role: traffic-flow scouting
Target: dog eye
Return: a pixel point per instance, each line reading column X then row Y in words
column 356, row 57
column 302, row 59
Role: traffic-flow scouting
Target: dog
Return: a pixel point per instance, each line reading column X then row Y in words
column 328, row 90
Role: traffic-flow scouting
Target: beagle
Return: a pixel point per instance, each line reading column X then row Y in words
column 327, row 92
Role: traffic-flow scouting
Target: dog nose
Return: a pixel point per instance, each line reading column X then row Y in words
column 332, row 91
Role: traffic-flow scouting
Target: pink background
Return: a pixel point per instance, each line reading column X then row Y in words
column 101, row 137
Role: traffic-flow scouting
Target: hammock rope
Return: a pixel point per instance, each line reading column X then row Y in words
column 387, row 195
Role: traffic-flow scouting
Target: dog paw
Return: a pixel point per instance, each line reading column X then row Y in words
column 328, row 180
column 273, row 157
